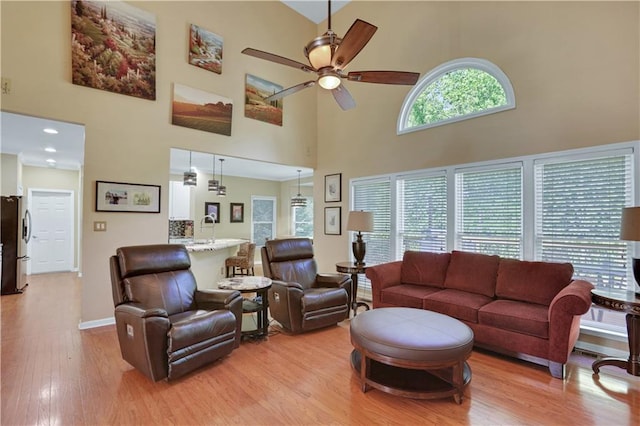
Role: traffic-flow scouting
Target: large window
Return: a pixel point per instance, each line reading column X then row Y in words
column 489, row 210
column 302, row 219
column 456, row 90
column 263, row 219
column 561, row 207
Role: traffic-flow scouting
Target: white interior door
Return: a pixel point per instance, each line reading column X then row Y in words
column 52, row 236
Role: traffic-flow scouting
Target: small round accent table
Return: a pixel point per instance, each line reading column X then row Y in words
column 629, row 302
column 354, row 270
column 258, row 305
column 411, row 352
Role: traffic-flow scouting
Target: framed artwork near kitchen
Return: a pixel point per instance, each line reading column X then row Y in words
column 211, row 209
column 127, row 197
column 236, row 213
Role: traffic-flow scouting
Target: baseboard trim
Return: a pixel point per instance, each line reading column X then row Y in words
column 85, row 325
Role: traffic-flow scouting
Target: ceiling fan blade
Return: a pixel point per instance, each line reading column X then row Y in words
column 384, row 77
column 352, row 43
column 277, row 59
column 291, row 90
column 343, row 97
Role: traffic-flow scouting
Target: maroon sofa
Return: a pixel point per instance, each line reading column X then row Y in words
column 530, row 310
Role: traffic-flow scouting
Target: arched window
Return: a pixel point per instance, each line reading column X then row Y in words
column 454, row 91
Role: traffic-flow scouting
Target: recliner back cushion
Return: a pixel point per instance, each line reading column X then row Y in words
column 424, row 268
column 172, row 291
column 534, row 282
column 301, row 271
column 473, row 272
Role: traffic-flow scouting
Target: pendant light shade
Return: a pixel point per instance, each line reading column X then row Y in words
column 190, row 177
column 298, row 200
column 214, row 185
column 222, row 190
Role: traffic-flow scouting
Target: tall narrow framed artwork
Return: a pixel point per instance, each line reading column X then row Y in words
column 113, row 47
column 256, row 107
column 205, row 49
column 332, row 220
column 201, row 110
column 333, row 188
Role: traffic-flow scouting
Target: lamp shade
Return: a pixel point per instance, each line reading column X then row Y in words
column 360, row 221
column 630, row 224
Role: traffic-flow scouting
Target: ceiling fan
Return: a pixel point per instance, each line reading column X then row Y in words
column 328, row 56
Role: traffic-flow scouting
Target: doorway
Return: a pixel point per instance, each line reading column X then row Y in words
column 52, row 241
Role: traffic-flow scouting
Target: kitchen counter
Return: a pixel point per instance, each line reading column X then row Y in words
column 207, row 259
column 219, row 244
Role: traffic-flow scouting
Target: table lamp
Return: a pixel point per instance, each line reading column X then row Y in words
column 630, row 231
column 359, row 221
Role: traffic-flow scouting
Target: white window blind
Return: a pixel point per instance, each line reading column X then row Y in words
column 374, row 196
column 422, row 213
column 489, row 211
column 578, row 210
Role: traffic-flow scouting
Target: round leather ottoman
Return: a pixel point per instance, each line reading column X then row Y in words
column 411, row 352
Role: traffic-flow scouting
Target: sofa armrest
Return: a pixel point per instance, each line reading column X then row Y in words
column 383, row 276
column 565, row 311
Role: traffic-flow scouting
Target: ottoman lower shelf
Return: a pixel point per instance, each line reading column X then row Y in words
column 411, row 383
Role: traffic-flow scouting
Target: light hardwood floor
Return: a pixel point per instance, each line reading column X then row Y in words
column 53, row 373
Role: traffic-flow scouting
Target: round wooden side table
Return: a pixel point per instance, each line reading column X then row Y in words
column 354, row 270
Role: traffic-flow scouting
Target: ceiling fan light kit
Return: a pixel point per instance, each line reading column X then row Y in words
column 328, row 56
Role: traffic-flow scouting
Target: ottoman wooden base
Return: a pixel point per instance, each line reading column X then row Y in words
column 411, row 383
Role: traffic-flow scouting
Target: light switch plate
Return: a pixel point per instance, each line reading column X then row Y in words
column 99, row 226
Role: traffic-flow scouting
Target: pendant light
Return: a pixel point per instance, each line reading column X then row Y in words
column 190, row 178
column 222, row 190
column 298, row 201
column 213, row 183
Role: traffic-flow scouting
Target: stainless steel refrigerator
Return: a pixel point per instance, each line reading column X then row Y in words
column 15, row 233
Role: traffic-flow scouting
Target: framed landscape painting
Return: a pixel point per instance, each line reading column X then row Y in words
column 113, row 47
column 201, row 110
column 205, row 49
column 256, row 89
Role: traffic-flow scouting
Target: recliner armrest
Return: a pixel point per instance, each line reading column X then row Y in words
column 218, row 299
column 288, row 284
column 331, row 280
column 137, row 310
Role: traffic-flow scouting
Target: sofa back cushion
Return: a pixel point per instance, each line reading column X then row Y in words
column 533, row 282
column 424, row 268
column 473, row 272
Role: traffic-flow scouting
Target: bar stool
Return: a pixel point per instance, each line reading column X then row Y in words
column 243, row 261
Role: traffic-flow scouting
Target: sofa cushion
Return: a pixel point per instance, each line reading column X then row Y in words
column 407, row 295
column 472, row 272
column 420, row 267
column 455, row 303
column 535, row 282
column 521, row 317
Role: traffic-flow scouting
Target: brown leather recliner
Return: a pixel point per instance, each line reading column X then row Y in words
column 300, row 299
column 166, row 326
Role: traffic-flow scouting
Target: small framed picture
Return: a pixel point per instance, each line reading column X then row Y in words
column 332, row 217
column 333, row 188
column 127, row 197
column 236, row 213
column 211, row 209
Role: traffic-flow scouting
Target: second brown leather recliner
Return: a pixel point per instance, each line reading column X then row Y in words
column 300, row 299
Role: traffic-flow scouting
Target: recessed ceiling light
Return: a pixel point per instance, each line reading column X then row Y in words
column 50, row 160
column 50, row 149
column 50, row 131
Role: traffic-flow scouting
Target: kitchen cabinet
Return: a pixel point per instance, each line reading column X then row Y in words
column 179, row 201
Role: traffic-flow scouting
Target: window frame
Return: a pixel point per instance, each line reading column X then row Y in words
column 447, row 67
